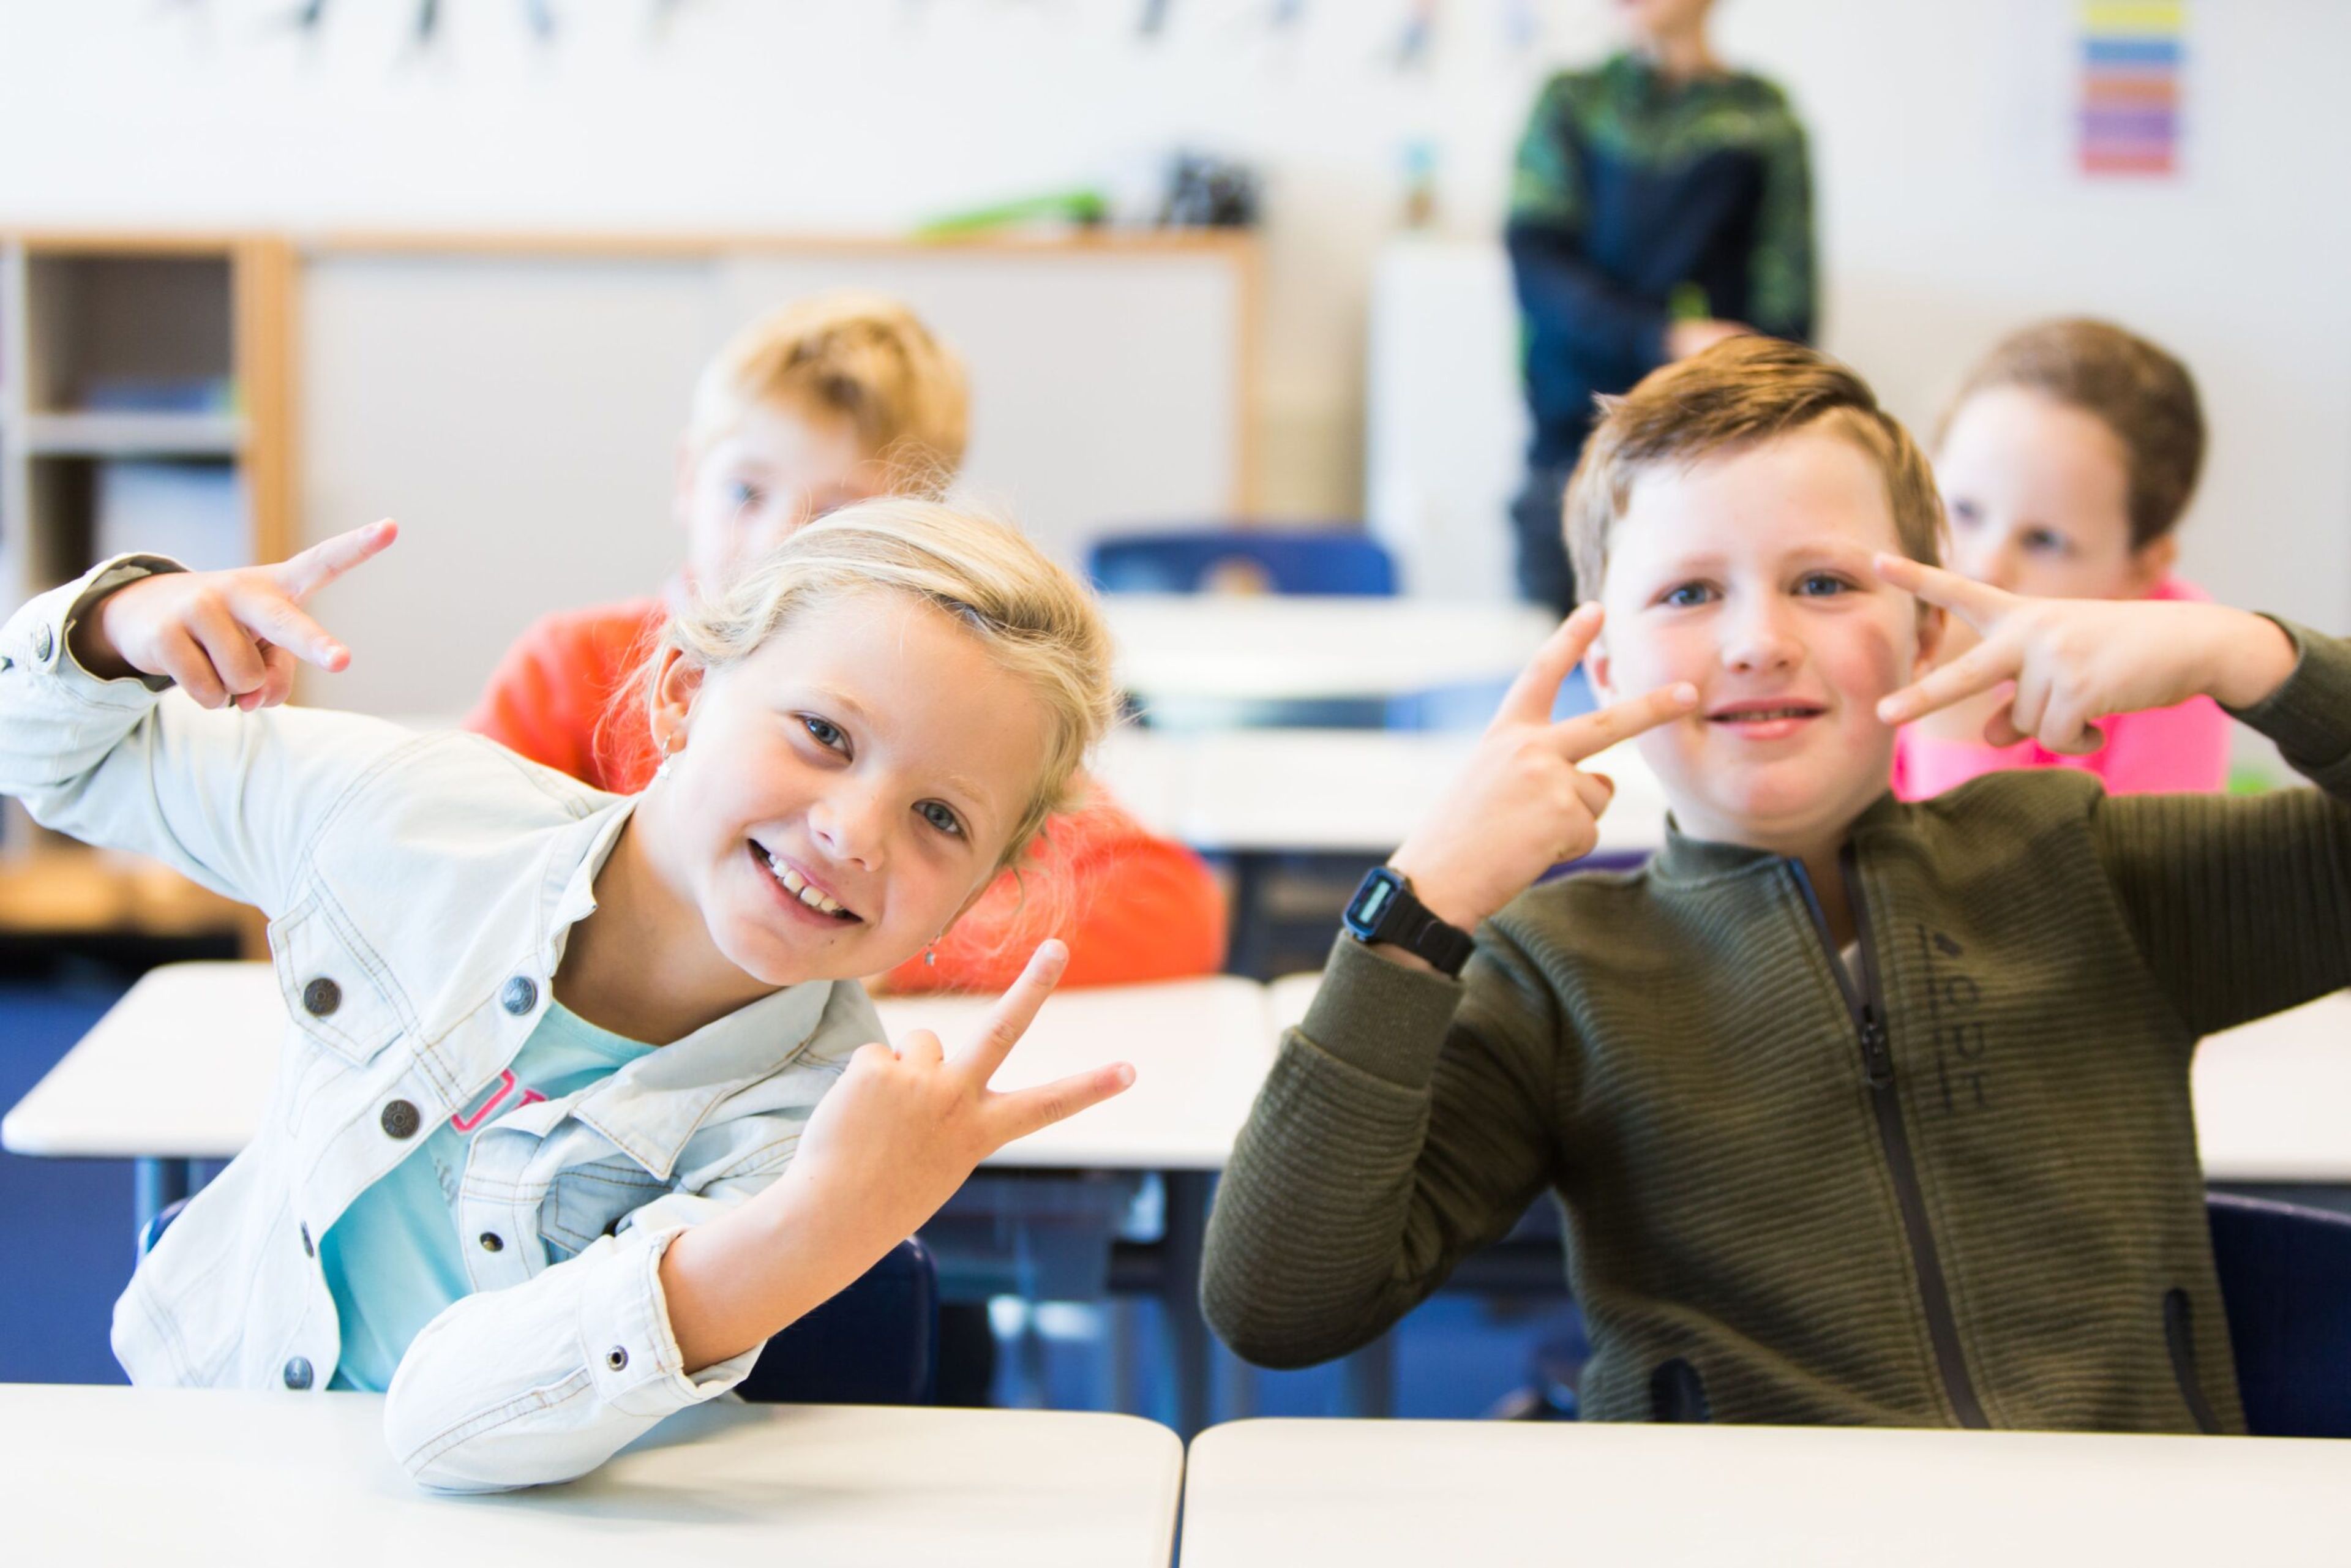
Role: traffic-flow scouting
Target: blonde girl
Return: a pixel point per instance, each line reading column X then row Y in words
column 578, row 1100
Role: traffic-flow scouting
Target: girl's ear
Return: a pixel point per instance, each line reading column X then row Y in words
column 677, row 681
column 2151, row 563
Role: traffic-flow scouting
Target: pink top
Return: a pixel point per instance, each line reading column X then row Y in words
column 2163, row 751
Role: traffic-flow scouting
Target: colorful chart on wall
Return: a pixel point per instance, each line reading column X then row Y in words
column 2133, row 55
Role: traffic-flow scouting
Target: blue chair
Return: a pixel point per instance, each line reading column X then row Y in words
column 1297, row 560
column 877, row 1343
column 2285, row 1279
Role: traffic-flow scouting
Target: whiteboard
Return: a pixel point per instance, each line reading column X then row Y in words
column 519, row 410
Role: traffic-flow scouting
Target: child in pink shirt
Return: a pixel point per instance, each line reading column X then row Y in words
column 2065, row 464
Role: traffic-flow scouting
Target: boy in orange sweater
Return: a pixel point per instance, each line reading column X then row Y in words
column 823, row 403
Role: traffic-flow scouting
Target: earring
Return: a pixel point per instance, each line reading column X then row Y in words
column 669, row 754
column 930, row 958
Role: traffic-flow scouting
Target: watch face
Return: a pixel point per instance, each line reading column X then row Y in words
column 1372, row 901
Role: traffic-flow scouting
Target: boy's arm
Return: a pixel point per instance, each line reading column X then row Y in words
column 1406, row 1123
column 2242, row 903
column 539, row 702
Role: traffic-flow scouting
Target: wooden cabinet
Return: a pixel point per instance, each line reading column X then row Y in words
column 145, row 402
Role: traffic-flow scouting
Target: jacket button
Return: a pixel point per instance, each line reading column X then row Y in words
column 307, row 1250
column 490, row 1242
column 297, row 1373
column 520, row 995
column 43, row 644
column 400, row 1118
column 616, row 1358
column 321, row 997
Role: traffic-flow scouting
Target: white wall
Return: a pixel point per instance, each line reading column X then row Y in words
column 1946, row 215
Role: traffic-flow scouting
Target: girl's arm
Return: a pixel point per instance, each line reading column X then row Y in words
column 94, row 747
column 544, row 1381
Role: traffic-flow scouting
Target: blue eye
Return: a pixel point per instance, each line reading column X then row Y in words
column 1964, row 514
column 1823, row 584
column 941, row 818
column 1688, row 596
column 743, row 493
column 2042, row 541
column 825, row 732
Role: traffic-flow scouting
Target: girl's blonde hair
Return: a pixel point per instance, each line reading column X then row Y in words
column 1034, row 619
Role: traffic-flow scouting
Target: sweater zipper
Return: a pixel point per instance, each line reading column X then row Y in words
column 1868, row 1009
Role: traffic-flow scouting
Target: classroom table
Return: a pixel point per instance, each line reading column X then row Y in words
column 260, row 1479
column 1241, row 648
column 180, row 1070
column 1411, row 1494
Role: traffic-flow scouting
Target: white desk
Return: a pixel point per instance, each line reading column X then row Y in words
column 1297, row 647
column 185, row 1476
column 1409, row 1494
column 181, row 1069
column 1247, row 791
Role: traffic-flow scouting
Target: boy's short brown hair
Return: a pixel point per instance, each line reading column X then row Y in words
column 864, row 358
column 2132, row 388
column 1734, row 395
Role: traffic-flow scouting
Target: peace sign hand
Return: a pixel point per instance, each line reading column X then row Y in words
column 225, row 636
column 1524, row 804
column 904, row 1129
column 2075, row 661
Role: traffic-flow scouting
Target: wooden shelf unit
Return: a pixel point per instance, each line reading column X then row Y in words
column 169, row 355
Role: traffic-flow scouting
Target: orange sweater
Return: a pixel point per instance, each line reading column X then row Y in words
column 1130, row 906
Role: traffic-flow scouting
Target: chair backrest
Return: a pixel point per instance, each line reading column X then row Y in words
column 1303, row 561
column 877, row 1343
column 2285, row 1279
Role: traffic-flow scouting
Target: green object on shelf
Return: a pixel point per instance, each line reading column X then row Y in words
column 1086, row 207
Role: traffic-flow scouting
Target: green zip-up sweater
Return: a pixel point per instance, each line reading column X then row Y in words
column 1962, row 1190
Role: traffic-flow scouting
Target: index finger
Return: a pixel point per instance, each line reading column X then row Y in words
column 1977, row 603
column 1014, row 1011
column 1532, row 695
column 304, row 574
column 1589, row 734
column 1977, row 670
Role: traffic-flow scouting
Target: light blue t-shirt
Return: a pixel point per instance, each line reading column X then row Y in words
column 394, row 1260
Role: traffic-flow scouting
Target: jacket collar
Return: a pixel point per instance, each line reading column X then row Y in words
column 650, row 1108
column 1685, row 859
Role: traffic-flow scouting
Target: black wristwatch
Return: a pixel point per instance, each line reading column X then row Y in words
column 1385, row 910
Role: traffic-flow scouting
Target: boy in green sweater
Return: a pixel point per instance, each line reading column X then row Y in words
column 1859, row 1112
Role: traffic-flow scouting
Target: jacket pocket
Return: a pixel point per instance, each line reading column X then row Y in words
column 333, row 991
column 2178, row 1334
column 588, row 1202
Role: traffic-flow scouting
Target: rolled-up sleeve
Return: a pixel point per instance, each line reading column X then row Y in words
column 544, row 1381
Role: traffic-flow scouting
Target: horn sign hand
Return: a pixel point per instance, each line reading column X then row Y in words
column 1524, row 804
column 225, row 636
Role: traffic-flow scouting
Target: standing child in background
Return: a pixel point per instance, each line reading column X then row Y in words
column 2065, row 465
column 578, row 1099
column 1860, row 1112
column 1661, row 202
column 826, row 402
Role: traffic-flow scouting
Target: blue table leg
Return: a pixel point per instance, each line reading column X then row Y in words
column 1186, row 1223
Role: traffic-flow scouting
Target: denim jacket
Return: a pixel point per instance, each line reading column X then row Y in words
column 420, row 889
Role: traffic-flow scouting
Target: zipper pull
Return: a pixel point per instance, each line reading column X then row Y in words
column 1876, row 1060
